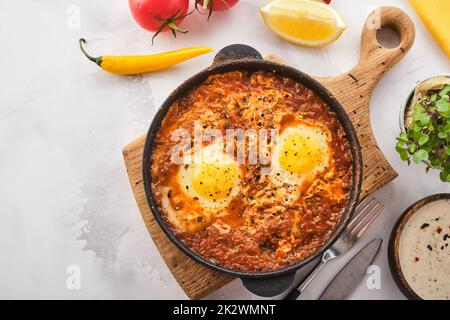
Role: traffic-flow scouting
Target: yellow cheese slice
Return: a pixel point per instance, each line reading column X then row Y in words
column 435, row 14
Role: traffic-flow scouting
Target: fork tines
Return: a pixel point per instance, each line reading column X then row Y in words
column 365, row 213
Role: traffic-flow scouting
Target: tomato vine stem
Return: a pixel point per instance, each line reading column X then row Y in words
column 171, row 23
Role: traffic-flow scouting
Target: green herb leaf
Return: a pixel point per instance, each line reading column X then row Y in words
column 442, row 134
column 445, row 176
column 420, row 155
column 436, row 162
column 420, row 115
column 403, row 155
column 416, row 127
column 400, row 146
column 443, row 107
column 447, row 150
column 445, row 90
column 447, row 127
column 423, row 139
column 403, row 137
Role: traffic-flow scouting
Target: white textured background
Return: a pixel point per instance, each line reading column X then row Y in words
column 64, row 194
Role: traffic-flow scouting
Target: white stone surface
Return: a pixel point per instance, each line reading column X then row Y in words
column 64, row 193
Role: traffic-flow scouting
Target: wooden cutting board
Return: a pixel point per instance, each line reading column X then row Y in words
column 352, row 89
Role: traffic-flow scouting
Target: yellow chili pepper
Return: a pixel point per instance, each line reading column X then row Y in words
column 128, row 65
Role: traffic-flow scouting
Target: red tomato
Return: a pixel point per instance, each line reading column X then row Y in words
column 159, row 15
column 218, row 5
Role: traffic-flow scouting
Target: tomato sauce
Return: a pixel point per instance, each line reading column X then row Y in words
column 259, row 232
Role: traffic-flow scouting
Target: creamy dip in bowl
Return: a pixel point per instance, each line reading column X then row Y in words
column 419, row 250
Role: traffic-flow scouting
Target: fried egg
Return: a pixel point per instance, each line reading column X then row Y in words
column 301, row 152
column 207, row 185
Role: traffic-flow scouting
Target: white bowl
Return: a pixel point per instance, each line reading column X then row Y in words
column 406, row 102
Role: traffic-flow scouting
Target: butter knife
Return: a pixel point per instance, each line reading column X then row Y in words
column 352, row 273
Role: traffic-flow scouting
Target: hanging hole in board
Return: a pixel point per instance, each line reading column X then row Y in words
column 388, row 37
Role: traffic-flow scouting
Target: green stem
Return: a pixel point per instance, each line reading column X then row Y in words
column 176, row 28
column 205, row 7
column 171, row 24
column 97, row 60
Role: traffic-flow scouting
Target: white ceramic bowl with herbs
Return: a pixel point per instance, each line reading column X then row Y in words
column 425, row 125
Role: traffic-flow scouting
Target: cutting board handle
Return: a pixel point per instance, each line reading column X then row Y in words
column 375, row 60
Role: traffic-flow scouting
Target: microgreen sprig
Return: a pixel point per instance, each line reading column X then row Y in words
column 428, row 137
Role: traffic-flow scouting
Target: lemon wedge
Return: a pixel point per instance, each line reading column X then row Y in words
column 303, row 22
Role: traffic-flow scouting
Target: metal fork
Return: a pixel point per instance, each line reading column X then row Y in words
column 366, row 213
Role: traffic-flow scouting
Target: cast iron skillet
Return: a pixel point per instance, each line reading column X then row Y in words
column 242, row 57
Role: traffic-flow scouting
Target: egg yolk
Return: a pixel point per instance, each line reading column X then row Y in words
column 214, row 181
column 301, row 153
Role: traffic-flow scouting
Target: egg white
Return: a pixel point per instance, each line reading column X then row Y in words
column 223, row 171
column 301, row 152
column 219, row 172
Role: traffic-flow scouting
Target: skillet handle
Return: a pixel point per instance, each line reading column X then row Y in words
column 236, row 52
column 269, row 287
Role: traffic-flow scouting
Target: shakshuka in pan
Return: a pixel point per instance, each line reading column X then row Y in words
column 270, row 206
